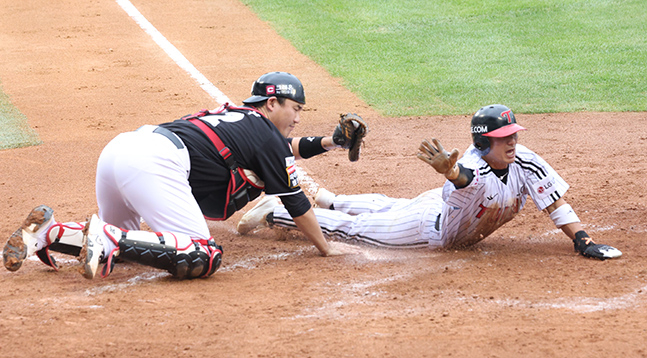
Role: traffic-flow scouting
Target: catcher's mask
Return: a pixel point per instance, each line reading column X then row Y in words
column 277, row 84
column 495, row 120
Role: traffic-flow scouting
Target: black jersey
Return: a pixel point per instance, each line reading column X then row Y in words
column 256, row 144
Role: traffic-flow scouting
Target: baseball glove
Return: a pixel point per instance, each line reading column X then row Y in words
column 590, row 249
column 350, row 133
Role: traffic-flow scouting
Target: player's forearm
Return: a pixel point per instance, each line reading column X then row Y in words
column 307, row 147
column 564, row 217
column 328, row 144
column 571, row 229
column 309, row 225
column 459, row 176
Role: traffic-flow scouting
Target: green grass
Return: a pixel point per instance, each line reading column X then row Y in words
column 14, row 130
column 422, row 57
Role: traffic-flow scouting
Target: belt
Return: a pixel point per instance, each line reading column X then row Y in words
column 170, row 135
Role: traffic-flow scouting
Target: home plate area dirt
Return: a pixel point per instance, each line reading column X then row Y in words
column 84, row 72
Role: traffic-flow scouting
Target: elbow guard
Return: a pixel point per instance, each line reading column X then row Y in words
column 564, row 215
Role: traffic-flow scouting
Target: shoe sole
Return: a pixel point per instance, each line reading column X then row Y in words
column 15, row 250
column 84, row 268
column 244, row 227
column 85, row 259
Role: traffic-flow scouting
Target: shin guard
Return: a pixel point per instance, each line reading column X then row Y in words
column 179, row 254
column 65, row 238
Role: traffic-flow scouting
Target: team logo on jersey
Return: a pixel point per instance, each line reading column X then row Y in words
column 544, row 187
column 291, row 169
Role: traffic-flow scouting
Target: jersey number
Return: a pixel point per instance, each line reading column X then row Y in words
column 224, row 117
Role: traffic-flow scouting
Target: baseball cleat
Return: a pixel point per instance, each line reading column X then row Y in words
column 92, row 249
column 23, row 241
column 324, row 199
column 257, row 216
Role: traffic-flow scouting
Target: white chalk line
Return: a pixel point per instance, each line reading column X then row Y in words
column 173, row 52
column 582, row 304
column 182, row 61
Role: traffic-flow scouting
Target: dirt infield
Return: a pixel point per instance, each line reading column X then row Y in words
column 82, row 72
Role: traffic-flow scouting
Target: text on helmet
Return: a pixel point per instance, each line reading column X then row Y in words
column 479, row 129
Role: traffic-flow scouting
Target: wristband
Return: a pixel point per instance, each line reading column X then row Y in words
column 580, row 243
column 468, row 175
column 581, row 235
column 564, row 215
column 310, row 146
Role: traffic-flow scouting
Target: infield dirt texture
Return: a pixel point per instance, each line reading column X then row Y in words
column 84, row 71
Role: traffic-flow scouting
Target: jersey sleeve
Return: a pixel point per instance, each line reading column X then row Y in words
column 297, row 204
column 469, row 161
column 544, row 185
column 277, row 167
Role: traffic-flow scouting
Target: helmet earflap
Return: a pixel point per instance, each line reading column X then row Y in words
column 481, row 142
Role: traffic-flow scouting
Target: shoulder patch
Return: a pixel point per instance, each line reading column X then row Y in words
column 544, row 187
column 291, row 170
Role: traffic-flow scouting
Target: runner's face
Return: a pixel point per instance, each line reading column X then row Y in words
column 502, row 151
column 285, row 117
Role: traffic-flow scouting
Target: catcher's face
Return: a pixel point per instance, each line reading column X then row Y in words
column 502, row 151
column 284, row 116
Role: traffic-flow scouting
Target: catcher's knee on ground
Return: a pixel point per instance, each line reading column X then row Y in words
column 181, row 255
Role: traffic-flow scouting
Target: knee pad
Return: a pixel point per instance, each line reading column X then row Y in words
column 197, row 263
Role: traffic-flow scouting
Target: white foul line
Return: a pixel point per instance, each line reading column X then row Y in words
column 173, row 52
column 177, row 56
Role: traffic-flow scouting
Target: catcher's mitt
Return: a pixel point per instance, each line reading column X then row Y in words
column 350, row 133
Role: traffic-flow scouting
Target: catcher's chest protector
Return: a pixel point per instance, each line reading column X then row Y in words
column 241, row 190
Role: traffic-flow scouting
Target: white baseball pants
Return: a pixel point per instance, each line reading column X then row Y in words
column 143, row 174
column 378, row 220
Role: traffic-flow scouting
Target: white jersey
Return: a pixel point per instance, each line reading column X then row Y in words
column 467, row 215
column 472, row 213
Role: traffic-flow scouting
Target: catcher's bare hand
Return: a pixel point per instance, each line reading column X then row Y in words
column 436, row 156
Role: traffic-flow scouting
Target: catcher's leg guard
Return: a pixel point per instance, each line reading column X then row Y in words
column 179, row 254
column 66, row 238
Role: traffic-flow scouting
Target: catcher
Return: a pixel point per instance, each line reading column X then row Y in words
column 174, row 175
column 485, row 188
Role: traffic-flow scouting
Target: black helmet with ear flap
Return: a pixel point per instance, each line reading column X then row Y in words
column 495, row 120
column 277, row 84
